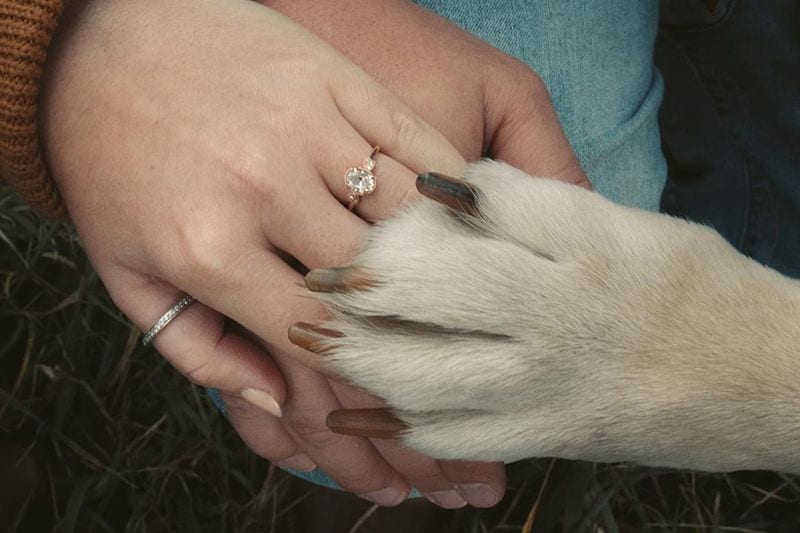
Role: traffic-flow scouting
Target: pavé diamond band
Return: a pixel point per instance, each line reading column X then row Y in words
column 361, row 180
column 166, row 318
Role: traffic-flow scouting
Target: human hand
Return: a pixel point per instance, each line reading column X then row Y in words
column 485, row 102
column 197, row 144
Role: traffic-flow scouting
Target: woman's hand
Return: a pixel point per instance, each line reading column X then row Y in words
column 199, row 143
column 487, row 104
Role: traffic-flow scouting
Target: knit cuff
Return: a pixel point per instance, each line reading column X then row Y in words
column 26, row 28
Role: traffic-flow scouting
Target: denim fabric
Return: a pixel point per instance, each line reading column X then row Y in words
column 596, row 59
column 731, row 122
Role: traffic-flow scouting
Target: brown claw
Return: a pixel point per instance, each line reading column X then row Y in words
column 373, row 423
column 314, row 343
column 340, row 279
column 312, row 338
column 452, row 192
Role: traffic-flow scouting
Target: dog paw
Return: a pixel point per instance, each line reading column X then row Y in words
column 520, row 317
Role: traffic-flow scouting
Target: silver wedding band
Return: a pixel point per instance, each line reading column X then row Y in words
column 166, row 318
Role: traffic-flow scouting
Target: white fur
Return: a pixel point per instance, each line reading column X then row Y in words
column 560, row 324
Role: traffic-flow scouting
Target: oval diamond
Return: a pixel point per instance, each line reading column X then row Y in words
column 359, row 180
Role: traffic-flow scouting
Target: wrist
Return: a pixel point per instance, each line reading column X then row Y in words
column 55, row 97
column 27, row 31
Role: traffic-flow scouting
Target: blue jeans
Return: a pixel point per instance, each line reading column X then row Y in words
column 596, row 59
column 730, row 122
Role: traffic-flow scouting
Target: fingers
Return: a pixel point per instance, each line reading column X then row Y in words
column 318, row 231
column 481, row 487
column 265, row 434
column 198, row 346
column 481, row 484
column 259, row 291
column 260, row 286
column 263, row 286
column 352, row 462
column 422, row 472
column 379, row 116
column 394, row 190
column 344, row 149
column 454, row 193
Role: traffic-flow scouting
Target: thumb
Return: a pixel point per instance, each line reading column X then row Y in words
column 525, row 132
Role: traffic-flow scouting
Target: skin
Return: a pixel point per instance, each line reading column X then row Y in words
column 485, row 102
column 197, row 144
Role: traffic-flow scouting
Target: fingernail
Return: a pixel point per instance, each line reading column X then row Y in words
column 263, row 400
column 454, row 193
column 447, row 499
column 387, row 497
column 478, row 494
column 300, row 462
column 337, row 279
column 374, row 423
column 312, row 338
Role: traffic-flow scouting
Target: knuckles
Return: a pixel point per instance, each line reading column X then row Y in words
column 249, row 175
column 523, row 80
column 200, row 253
column 207, row 239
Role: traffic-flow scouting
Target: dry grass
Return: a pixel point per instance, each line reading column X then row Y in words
column 99, row 434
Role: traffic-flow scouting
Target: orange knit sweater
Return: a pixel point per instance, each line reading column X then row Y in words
column 26, row 27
